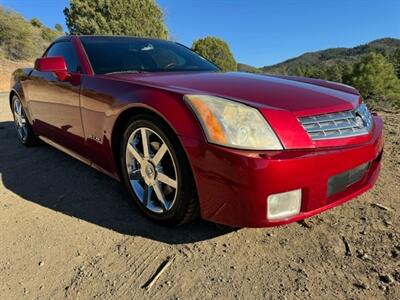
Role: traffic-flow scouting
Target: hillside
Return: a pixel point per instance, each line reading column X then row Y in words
column 386, row 46
column 21, row 41
column 6, row 69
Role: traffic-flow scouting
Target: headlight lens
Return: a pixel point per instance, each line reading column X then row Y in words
column 365, row 114
column 233, row 124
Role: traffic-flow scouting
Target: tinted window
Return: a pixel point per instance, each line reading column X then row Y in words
column 123, row 54
column 65, row 50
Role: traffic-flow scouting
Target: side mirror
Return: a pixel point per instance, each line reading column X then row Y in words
column 54, row 64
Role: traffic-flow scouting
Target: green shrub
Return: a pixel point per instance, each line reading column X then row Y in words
column 217, row 51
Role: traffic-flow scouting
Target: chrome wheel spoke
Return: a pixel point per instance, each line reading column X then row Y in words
column 147, row 191
column 145, row 143
column 134, row 153
column 20, row 132
column 20, row 121
column 160, row 196
column 18, row 108
column 25, row 131
column 167, row 180
column 160, row 154
column 16, row 114
column 151, row 170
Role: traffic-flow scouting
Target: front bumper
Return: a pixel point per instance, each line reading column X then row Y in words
column 233, row 185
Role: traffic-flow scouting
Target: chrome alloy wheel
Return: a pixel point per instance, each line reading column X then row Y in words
column 19, row 119
column 151, row 170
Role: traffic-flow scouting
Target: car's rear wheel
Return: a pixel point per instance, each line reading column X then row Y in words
column 24, row 129
column 157, row 173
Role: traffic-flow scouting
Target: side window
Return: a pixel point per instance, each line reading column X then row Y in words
column 65, row 50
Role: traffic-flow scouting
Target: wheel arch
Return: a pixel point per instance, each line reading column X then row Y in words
column 122, row 122
column 19, row 92
column 120, row 125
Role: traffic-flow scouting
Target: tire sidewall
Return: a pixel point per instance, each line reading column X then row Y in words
column 185, row 187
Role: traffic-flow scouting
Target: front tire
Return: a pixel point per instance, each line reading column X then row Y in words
column 157, row 173
column 25, row 133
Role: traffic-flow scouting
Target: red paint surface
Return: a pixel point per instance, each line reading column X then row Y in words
column 241, row 181
column 55, row 65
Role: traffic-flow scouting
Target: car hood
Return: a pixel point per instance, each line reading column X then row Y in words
column 301, row 96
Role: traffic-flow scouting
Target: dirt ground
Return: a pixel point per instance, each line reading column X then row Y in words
column 67, row 232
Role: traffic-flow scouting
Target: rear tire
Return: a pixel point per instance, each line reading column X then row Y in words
column 25, row 133
column 156, row 172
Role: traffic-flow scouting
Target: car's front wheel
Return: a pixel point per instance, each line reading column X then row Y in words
column 157, row 173
column 24, row 129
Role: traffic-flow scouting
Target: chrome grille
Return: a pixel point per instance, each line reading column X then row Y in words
column 337, row 125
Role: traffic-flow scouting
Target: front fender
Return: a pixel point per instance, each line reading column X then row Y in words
column 103, row 102
column 18, row 77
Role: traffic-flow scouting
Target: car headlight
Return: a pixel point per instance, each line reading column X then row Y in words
column 233, row 124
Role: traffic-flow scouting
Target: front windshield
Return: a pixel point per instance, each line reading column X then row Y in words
column 124, row 54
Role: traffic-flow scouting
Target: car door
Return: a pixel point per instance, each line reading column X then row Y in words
column 55, row 105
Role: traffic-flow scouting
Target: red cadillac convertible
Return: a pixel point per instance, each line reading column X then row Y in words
column 189, row 140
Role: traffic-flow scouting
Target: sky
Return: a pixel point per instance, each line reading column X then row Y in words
column 259, row 32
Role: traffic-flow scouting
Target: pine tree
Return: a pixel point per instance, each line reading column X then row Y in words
column 375, row 78
column 334, row 73
column 116, row 17
column 396, row 62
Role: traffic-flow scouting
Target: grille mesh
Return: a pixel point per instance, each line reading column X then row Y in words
column 341, row 124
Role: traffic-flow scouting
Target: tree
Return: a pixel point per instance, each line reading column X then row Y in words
column 59, row 28
column 396, row 62
column 334, row 73
column 375, row 78
column 216, row 51
column 347, row 73
column 299, row 71
column 116, row 17
column 36, row 22
column 49, row 35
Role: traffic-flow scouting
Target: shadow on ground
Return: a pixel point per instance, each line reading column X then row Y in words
column 52, row 179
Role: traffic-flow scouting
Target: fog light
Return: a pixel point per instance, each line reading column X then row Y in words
column 283, row 205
